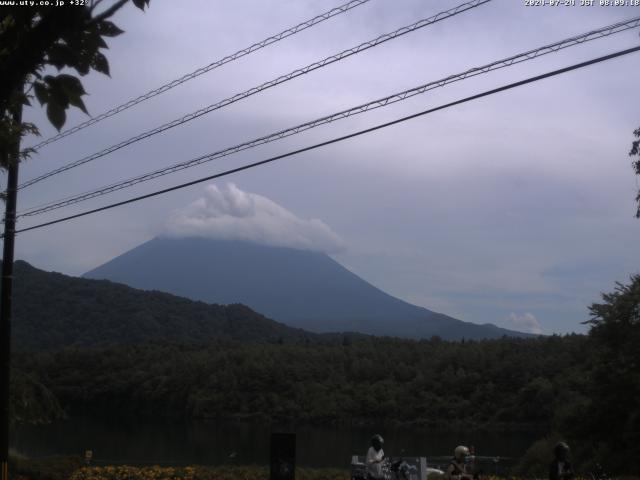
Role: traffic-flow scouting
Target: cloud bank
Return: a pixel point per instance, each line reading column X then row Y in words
column 526, row 321
column 230, row 213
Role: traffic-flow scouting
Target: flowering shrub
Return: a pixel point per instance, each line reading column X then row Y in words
column 198, row 473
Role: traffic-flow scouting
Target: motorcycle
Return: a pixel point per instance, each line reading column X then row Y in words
column 399, row 469
column 392, row 469
column 598, row 473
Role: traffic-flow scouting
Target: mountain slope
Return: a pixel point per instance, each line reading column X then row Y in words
column 52, row 310
column 303, row 289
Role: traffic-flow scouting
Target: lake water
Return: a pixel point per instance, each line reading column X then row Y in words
column 222, row 443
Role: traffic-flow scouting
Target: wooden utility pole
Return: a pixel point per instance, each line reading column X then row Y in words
column 6, row 286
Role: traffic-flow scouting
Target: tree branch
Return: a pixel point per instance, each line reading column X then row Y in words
column 108, row 12
column 94, row 4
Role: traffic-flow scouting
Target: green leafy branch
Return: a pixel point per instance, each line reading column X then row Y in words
column 32, row 41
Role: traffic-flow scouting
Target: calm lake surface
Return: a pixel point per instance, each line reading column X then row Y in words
column 216, row 443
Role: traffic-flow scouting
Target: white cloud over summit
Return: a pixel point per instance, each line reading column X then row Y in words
column 526, row 321
column 232, row 214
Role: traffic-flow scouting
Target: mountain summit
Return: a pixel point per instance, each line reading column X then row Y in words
column 300, row 288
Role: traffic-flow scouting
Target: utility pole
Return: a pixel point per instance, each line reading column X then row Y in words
column 6, row 286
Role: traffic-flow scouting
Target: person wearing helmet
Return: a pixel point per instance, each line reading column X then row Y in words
column 375, row 457
column 457, row 469
column 560, row 468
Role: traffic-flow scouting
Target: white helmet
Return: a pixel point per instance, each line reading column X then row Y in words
column 461, row 452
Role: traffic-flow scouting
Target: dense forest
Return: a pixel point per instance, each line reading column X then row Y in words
column 509, row 382
column 68, row 311
column 574, row 387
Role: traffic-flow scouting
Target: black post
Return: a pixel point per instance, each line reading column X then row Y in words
column 283, row 456
column 6, row 286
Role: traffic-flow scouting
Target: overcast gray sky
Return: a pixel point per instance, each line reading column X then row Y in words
column 516, row 209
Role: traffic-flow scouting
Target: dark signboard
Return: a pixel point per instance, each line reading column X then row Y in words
column 283, row 456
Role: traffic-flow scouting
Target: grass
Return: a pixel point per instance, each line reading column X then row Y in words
column 49, row 468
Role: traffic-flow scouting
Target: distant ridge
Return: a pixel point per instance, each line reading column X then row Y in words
column 302, row 289
column 53, row 311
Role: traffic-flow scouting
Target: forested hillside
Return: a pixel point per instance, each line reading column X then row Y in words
column 52, row 311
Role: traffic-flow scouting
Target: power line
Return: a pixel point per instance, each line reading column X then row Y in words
column 202, row 70
column 272, row 83
column 338, row 139
column 382, row 102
